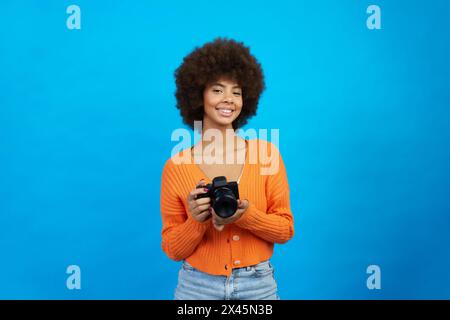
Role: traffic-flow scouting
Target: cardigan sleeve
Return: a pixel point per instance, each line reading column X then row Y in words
column 180, row 232
column 276, row 225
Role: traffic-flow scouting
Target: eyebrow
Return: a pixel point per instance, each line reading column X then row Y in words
column 221, row 85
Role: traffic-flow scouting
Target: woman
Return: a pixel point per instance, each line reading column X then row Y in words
column 223, row 258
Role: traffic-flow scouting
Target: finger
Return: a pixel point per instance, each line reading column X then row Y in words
column 201, row 201
column 193, row 204
column 196, row 212
column 195, row 192
column 202, row 182
column 191, row 196
column 200, row 209
column 204, row 215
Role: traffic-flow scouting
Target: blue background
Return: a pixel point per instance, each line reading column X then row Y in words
column 86, row 118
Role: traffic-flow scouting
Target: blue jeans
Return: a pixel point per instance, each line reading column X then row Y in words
column 248, row 283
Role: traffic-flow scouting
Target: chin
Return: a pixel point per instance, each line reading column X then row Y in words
column 223, row 124
column 224, row 121
column 220, row 122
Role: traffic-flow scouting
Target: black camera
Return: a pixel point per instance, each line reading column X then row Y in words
column 223, row 196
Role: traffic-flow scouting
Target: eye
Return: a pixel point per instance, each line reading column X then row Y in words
column 237, row 93
column 217, row 90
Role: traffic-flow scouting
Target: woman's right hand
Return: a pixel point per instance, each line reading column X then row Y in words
column 199, row 208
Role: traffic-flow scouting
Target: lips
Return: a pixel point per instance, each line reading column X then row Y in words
column 225, row 112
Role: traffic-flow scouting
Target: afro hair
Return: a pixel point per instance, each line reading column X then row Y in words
column 221, row 57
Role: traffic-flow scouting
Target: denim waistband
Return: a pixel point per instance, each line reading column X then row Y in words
column 261, row 265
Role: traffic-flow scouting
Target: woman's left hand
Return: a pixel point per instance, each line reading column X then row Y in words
column 219, row 223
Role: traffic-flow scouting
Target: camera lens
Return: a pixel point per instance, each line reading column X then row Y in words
column 225, row 204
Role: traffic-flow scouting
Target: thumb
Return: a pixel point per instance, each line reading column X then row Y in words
column 242, row 203
column 218, row 227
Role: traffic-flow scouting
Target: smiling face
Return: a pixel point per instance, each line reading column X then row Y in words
column 222, row 103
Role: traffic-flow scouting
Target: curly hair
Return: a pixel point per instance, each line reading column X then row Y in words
column 221, row 57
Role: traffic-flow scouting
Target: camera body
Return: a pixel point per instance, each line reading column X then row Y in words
column 224, row 196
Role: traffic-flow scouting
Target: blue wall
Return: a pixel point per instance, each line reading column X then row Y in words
column 86, row 118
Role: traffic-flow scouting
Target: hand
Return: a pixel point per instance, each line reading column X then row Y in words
column 199, row 208
column 219, row 223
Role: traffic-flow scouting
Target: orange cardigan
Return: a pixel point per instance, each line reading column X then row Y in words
column 247, row 241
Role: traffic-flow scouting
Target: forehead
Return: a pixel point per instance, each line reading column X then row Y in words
column 225, row 82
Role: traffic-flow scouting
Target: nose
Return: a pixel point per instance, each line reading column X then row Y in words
column 228, row 98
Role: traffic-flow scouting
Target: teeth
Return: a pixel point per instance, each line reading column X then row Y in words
column 225, row 112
